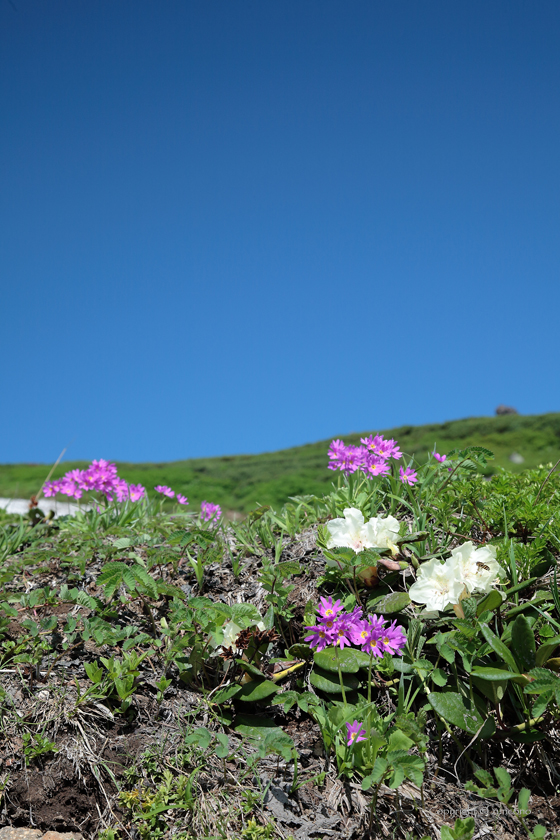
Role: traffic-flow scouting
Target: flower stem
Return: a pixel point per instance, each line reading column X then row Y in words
column 340, row 675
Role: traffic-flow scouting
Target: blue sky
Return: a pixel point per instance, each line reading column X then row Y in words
column 238, row 226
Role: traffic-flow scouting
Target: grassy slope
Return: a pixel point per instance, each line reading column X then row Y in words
column 240, row 482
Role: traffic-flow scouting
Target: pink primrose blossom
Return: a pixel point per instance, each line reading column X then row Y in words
column 209, row 511
column 329, row 610
column 408, row 476
column 355, row 733
column 440, row 458
column 165, row 491
column 375, row 465
column 51, row 488
column 319, row 637
column 393, row 639
column 136, row 492
column 182, row 499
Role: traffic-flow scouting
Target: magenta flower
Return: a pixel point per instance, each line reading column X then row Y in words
column 209, row 511
column 439, row 458
column 165, row 491
column 319, row 637
column 136, row 492
column 408, row 476
column 329, row 610
column 182, row 499
column 375, row 465
column 355, row 733
column 393, row 638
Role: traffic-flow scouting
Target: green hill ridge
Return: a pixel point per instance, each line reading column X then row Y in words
column 240, row 482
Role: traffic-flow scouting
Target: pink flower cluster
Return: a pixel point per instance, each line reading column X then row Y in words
column 371, row 458
column 100, row 477
column 167, row 491
column 340, row 629
column 210, row 511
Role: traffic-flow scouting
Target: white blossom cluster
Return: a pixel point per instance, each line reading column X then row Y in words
column 355, row 533
column 468, row 570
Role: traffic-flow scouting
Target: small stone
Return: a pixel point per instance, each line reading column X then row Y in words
column 10, row 833
column 56, row 835
column 516, row 458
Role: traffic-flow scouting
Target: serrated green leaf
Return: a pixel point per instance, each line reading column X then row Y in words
column 462, row 830
column 286, row 568
column 247, row 611
column 543, row 681
column 142, row 576
column 122, row 542
column 548, row 647
column 169, row 590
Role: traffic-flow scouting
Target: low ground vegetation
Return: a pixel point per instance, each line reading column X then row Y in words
column 382, row 660
column 240, row 483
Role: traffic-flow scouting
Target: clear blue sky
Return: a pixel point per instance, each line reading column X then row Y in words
column 238, row 226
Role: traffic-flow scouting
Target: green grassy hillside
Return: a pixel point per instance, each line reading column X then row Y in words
column 240, row 482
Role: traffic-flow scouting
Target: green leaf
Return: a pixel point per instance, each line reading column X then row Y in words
column 439, row 677
column 122, row 542
column 94, row 672
column 326, row 681
column 226, row 694
column 389, row 604
column 548, row 647
column 169, row 590
column 251, row 669
column 247, row 611
column 255, row 726
column 413, row 767
column 498, row 647
column 544, row 681
column 330, row 658
column 455, row 709
column 286, row 568
column 379, row 770
column 462, row 830
column 300, row 651
column 399, row 741
column 142, row 576
column 222, row 747
column 490, row 602
column 255, row 692
column 485, row 672
column 503, row 777
column 201, row 737
column 523, row 801
column 523, row 643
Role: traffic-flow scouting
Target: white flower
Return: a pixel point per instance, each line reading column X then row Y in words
column 349, row 532
column 231, row 631
column 353, row 532
column 477, row 567
column 437, row 585
column 383, row 532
